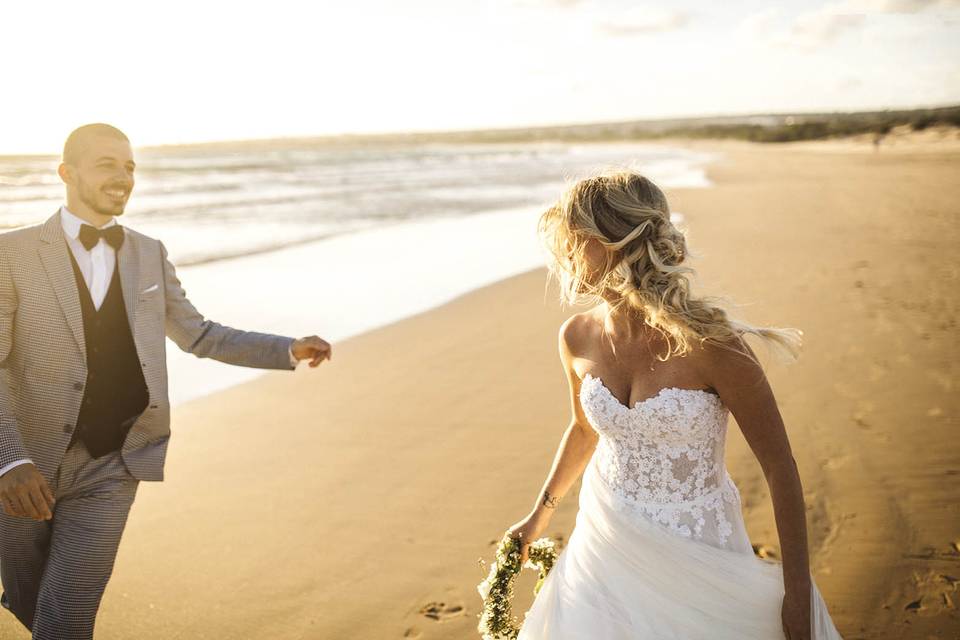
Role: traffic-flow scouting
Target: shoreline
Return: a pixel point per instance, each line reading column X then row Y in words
column 487, row 415
column 446, row 256
column 355, row 500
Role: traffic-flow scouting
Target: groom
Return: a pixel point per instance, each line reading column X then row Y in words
column 85, row 305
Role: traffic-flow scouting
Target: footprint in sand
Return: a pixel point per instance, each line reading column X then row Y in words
column 412, row 633
column 916, row 605
column 862, row 414
column 860, row 417
column 835, row 462
column 441, row 611
column 935, row 593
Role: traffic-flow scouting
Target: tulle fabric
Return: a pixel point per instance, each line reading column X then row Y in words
column 623, row 576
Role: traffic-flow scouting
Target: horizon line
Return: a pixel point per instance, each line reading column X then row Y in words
column 387, row 135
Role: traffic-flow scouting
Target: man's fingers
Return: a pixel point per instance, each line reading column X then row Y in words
column 43, row 497
column 10, row 506
column 40, row 503
column 26, row 499
column 47, row 493
column 322, row 352
column 26, row 505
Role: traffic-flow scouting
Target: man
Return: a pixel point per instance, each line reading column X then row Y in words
column 85, row 305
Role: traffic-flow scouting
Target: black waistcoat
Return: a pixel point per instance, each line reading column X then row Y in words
column 116, row 393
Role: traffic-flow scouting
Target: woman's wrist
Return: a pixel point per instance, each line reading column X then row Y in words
column 547, row 503
column 540, row 518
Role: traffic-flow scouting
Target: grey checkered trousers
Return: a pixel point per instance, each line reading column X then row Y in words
column 54, row 572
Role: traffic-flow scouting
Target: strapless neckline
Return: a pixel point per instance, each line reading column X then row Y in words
column 640, row 403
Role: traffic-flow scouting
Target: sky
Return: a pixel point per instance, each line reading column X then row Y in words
column 191, row 71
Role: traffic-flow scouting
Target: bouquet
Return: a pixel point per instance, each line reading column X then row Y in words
column 497, row 621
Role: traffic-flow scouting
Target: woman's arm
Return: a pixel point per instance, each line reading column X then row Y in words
column 744, row 389
column 576, row 447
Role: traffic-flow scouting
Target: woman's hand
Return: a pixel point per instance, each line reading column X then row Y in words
column 795, row 616
column 527, row 531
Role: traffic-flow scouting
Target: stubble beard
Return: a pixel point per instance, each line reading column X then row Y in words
column 99, row 202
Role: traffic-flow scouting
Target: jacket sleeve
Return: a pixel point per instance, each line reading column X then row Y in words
column 206, row 339
column 11, row 444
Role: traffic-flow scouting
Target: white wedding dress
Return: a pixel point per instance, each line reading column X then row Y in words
column 659, row 549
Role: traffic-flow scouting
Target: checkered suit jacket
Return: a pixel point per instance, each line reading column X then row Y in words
column 43, row 355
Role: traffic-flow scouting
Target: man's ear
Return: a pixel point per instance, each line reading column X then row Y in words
column 65, row 172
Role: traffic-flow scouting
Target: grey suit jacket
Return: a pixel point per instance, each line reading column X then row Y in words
column 43, row 353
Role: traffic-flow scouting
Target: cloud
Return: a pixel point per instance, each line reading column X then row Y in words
column 848, row 83
column 760, row 24
column 895, row 6
column 815, row 29
column 639, row 21
column 820, row 27
column 548, row 4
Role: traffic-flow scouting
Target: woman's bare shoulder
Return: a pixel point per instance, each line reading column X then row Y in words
column 732, row 362
column 577, row 330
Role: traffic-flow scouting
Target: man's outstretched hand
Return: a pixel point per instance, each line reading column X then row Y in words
column 25, row 493
column 311, row 348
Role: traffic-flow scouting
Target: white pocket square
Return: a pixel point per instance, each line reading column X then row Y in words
column 152, row 287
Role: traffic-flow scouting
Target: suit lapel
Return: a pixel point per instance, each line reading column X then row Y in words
column 128, row 262
column 56, row 262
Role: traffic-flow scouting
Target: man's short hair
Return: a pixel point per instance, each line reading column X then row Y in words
column 80, row 137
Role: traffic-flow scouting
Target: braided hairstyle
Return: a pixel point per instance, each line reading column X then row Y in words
column 644, row 271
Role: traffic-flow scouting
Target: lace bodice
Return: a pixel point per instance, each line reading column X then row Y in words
column 663, row 459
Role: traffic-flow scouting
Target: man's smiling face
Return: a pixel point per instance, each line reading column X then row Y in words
column 102, row 174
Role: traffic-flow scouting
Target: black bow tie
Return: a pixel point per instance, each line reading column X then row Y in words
column 90, row 236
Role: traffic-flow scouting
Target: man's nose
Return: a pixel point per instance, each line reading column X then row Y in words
column 123, row 178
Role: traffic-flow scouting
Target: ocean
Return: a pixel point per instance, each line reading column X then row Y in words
column 300, row 238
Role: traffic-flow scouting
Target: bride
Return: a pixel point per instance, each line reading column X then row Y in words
column 660, row 549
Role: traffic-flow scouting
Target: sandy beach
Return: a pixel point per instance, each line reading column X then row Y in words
column 354, row 501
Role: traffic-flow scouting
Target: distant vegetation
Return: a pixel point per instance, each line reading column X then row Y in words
column 756, row 128
column 784, row 127
column 818, row 127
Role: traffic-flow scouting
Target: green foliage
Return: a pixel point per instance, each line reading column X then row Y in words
column 819, row 127
column 755, row 128
column 497, row 621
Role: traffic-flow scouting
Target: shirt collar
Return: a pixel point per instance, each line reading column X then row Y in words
column 71, row 223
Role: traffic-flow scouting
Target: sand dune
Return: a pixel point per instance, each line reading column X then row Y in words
column 354, row 501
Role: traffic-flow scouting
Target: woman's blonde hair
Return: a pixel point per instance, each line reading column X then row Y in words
column 645, row 253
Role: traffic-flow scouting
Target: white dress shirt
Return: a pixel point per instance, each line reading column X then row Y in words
column 97, row 266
